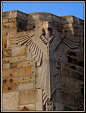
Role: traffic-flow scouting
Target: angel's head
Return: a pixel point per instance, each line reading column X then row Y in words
column 47, row 24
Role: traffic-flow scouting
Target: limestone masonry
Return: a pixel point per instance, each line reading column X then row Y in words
column 42, row 62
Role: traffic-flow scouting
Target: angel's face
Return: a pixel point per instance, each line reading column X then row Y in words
column 47, row 24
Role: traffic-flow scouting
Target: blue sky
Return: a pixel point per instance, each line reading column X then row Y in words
column 57, row 8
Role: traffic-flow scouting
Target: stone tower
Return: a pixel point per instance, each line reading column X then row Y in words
column 42, row 62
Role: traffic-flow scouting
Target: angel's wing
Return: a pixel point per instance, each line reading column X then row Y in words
column 36, row 52
column 71, row 41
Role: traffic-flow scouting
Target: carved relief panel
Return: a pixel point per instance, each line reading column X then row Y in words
column 47, row 46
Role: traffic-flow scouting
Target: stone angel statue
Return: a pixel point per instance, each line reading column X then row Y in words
column 46, row 45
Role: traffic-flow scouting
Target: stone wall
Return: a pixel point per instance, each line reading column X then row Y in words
column 19, row 70
column 73, row 25
column 71, row 94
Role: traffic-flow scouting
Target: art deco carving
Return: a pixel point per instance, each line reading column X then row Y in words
column 47, row 46
column 49, row 106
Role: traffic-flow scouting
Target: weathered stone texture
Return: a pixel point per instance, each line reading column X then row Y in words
column 68, row 66
column 39, row 106
column 13, row 19
column 13, row 65
column 72, row 67
column 19, row 51
column 22, row 26
column 69, row 108
column 66, row 72
column 12, row 32
column 75, row 54
column 25, row 86
column 18, row 72
column 31, row 25
column 73, row 23
column 27, row 107
column 6, row 52
column 35, row 96
column 22, row 15
column 5, row 14
column 80, row 56
column 5, row 20
column 75, row 61
column 80, row 70
column 26, row 79
column 66, row 19
column 73, row 87
column 77, row 75
column 5, row 66
column 9, row 14
column 66, row 98
column 71, row 19
column 8, row 25
column 4, row 42
column 69, row 31
column 33, row 17
column 10, row 101
column 9, row 84
column 79, row 104
column 4, row 32
column 72, row 83
column 13, row 59
column 26, row 63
